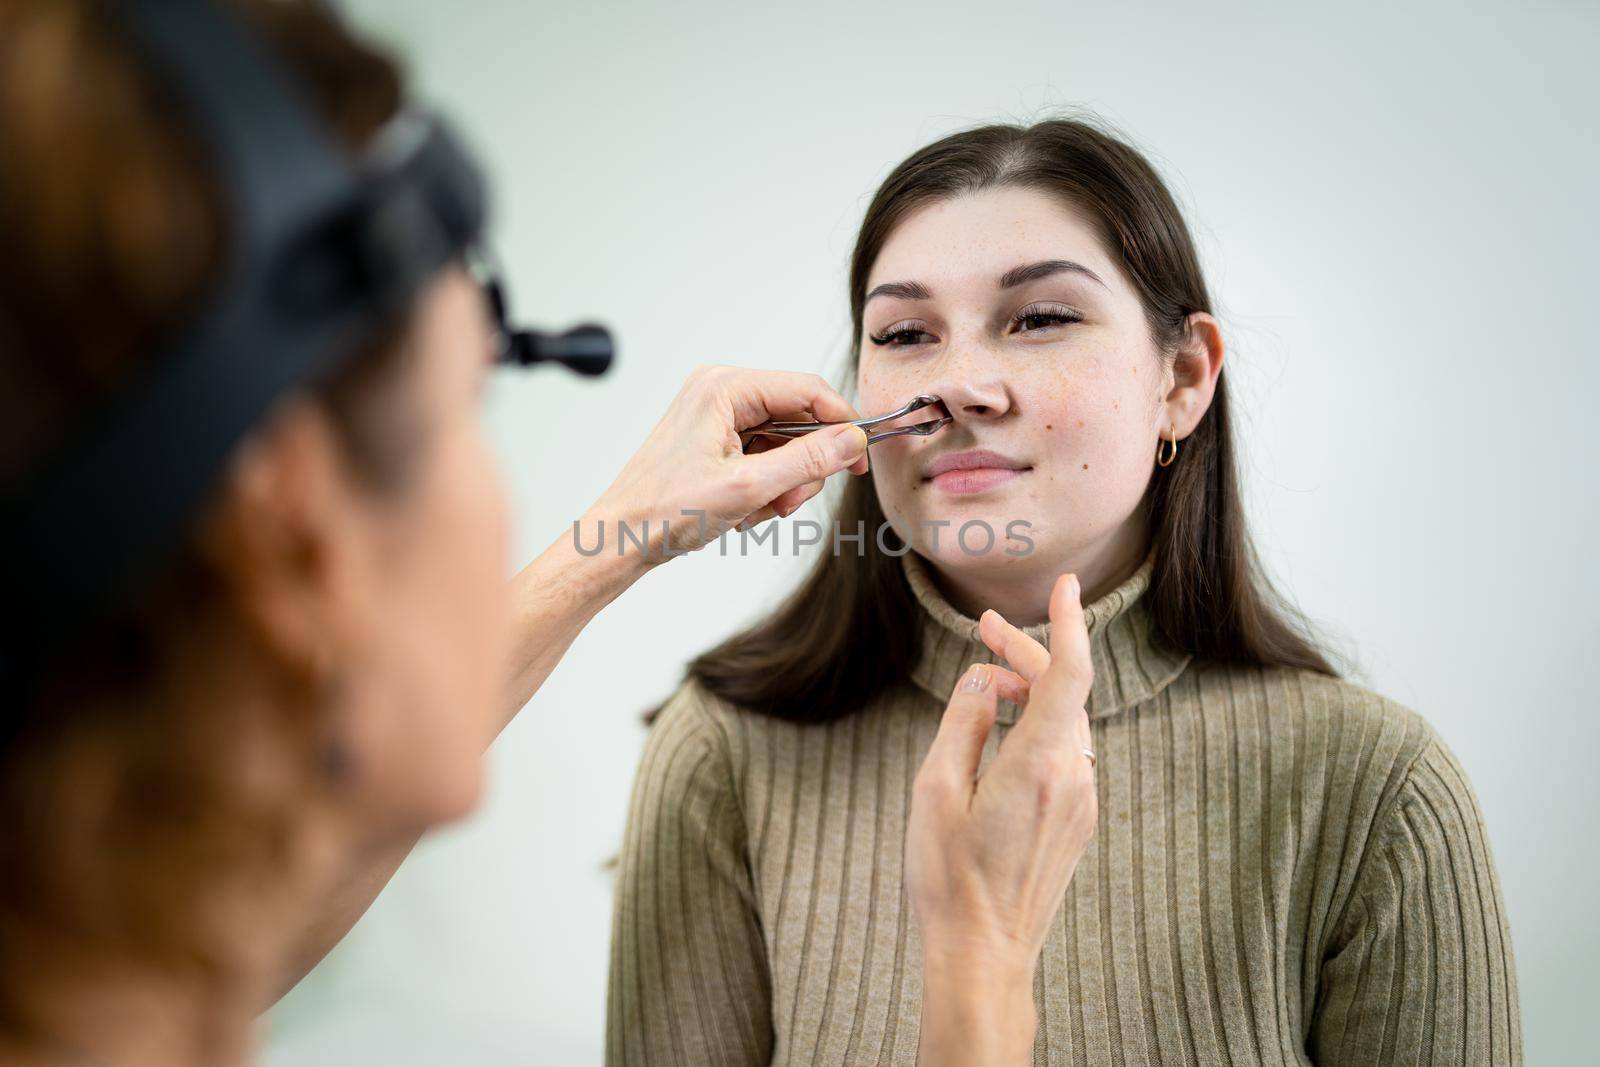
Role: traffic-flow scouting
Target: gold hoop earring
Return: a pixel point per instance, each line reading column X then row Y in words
column 1173, row 454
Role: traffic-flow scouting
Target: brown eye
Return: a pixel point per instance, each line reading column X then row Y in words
column 900, row 334
column 1037, row 317
column 899, row 337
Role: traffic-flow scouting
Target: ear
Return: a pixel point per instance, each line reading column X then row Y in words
column 1195, row 368
column 288, row 538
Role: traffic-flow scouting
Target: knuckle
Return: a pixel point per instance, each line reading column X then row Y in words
column 958, row 711
column 742, row 484
column 1047, row 794
column 1049, row 779
column 1086, row 799
column 1089, row 817
column 1084, row 792
column 715, row 374
column 1082, row 664
column 814, row 463
column 970, row 716
column 931, row 787
column 1040, row 763
column 701, row 380
column 1062, row 780
column 1079, row 675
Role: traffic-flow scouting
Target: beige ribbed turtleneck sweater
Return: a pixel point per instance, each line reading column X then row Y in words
column 1288, row 869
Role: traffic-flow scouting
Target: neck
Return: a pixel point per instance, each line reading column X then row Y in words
column 68, row 1002
column 162, row 938
column 1019, row 587
column 1131, row 664
column 84, row 1011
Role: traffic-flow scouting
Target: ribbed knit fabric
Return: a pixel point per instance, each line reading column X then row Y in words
column 1287, row 869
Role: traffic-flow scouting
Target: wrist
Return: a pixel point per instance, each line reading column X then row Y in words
column 552, row 599
column 628, row 539
column 604, row 561
column 1000, row 961
column 976, row 1010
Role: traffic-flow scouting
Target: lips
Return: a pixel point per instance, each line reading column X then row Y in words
column 977, row 459
column 969, row 473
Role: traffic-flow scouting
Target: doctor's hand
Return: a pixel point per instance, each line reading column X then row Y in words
column 693, row 461
column 989, row 856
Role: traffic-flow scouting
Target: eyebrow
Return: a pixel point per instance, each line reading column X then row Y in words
column 903, row 290
column 1032, row 272
column 1028, row 272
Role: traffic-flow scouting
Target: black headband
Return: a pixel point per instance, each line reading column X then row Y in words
column 323, row 249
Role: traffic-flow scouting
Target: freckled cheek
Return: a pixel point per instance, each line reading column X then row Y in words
column 1077, row 432
column 877, row 385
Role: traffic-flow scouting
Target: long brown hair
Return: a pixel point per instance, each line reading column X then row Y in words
column 119, row 807
column 839, row 640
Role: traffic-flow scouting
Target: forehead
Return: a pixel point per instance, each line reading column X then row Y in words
column 976, row 237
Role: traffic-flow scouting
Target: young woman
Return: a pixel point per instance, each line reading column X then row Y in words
column 200, row 791
column 1288, row 868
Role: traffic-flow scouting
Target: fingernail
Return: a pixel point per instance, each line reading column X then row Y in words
column 1072, row 584
column 977, row 679
column 850, row 443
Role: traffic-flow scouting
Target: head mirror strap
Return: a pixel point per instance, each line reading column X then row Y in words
column 88, row 525
column 420, row 209
column 273, row 156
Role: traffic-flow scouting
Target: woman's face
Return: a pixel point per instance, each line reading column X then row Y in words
column 431, row 652
column 1004, row 304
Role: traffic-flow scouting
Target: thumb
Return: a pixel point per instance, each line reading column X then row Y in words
column 958, row 747
column 801, row 461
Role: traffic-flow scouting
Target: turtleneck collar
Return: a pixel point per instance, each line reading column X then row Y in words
column 1128, row 665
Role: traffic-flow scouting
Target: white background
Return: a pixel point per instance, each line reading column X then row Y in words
column 1396, row 210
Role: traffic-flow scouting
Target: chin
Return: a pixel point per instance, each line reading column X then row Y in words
column 978, row 557
column 463, row 796
column 977, row 537
column 437, row 799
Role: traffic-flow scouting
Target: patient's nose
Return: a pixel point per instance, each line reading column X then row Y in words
column 969, row 400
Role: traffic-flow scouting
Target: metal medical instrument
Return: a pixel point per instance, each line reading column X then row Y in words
column 774, row 428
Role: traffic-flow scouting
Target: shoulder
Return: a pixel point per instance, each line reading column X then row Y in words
column 740, row 732
column 1434, row 807
column 694, row 715
column 1372, row 772
column 697, row 719
column 1383, row 800
column 1427, row 848
column 686, row 794
column 687, row 747
column 1347, row 736
column 1389, row 751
